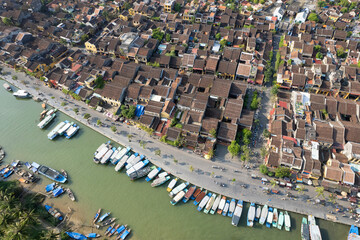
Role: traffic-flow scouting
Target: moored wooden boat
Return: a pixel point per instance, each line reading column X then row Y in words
column 287, row 221
column 97, row 215
column 232, row 207
column 280, row 221
column 200, row 197
column 189, row 193
column 215, row 205
column 221, row 205
column 210, row 203
column 275, row 217
column 70, row 194
column 196, row 193
column 226, row 208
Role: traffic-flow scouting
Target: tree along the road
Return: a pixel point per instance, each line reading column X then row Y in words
column 98, row 122
column 128, row 112
column 282, row 172
column 113, row 128
column 87, row 115
column 158, row 152
column 234, row 148
column 264, row 169
column 320, row 191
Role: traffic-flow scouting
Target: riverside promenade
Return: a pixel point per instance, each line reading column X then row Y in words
column 188, row 166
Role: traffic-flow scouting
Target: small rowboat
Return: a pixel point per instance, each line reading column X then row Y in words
column 97, row 215
column 70, row 194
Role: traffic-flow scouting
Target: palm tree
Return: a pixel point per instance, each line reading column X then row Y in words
column 130, row 136
column 191, row 168
column 50, row 235
column 300, row 189
column 158, row 152
column 332, row 198
column 320, row 191
column 273, row 182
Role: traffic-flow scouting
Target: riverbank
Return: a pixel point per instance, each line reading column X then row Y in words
column 201, row 176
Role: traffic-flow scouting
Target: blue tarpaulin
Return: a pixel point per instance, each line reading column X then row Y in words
column 77, row 91
column 139, row 110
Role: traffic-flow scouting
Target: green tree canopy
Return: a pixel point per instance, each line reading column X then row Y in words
column 282, row 172
column 319, row 55
column 313, row 17
column 218, row 36
column 7, row 21
column 264, row 169
column 128, row 112
column 158, row 34
column 234, row 148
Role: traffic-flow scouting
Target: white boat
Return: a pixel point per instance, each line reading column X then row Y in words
column 120, row 155
column 178, row 197
column 258, row 213
column 152, row 174
column 65, row 127
column 101, row 153
column 53, row 133
column 131, row 158
column 179, row 188
column 51, row 111
column 203, row 202
column 134, row 161
column 311, row 220
column 99, row 148
column 121, row 163
column 137, row 167
column 46, row 121
column 270, row 218
column 237, row 213
column 226, row 208
column 114, row 154
column 22, row 94
column 215, row 205
column 162, row 174
column 106, row 156
column 159, row 181
column 7, row 87
column 264, row 213
column 251, row 215
column 315, row 233
column 221, row 205
column 72, row 130
column 171, row 184
column 232, row 208
column 287, row 221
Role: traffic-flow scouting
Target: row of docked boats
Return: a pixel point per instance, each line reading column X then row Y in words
column 137, row 166
column 66, row 128
column 117, row 230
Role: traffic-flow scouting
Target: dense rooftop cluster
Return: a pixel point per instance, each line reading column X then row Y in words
column 184, row 65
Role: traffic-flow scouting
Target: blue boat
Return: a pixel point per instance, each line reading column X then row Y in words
column 75, row 235
column 226, row 208
column 109, row 228
column 203, row 202
column 120, row 229
column 55, row 213
column 52, row 174
column 3, row 170
column 92, row 235
column 103, row 217
column 28, row 165
column 125, row 234
column 97, row 215
column 58, row 191
column 353, row 233
column 8, row 173
column 50, row 187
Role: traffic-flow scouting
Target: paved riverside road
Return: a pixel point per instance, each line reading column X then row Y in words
column 189, row 167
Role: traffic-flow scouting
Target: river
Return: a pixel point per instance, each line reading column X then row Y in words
column 145, row 209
